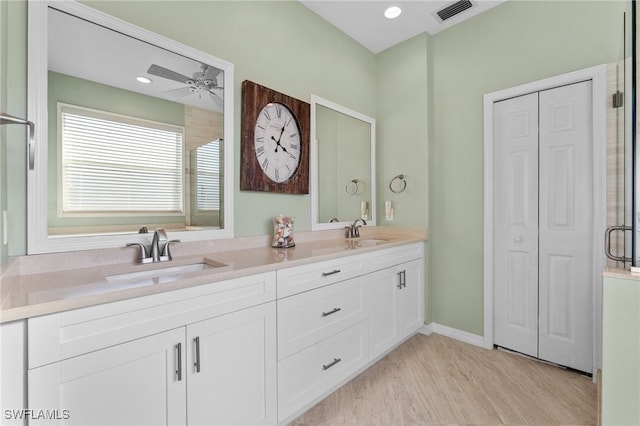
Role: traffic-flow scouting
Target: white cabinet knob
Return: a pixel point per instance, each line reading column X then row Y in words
column 518, row 239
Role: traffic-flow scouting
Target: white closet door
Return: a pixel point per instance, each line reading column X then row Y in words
column 566, row 226
column 516, row 224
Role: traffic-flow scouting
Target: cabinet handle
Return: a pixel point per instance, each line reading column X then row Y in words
column 331, row 364
column 331, row 312
column 179, row 360
column 402, row 277
column 196, row 341
column 326, row 274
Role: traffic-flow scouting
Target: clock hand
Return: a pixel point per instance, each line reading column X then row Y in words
column 279, row 137
column 277, row 143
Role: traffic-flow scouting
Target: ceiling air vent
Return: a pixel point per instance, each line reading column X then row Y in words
column 454, row 9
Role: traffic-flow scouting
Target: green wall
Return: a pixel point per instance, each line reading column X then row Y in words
column 280, row 44
column 426, row 94
column 512, row 44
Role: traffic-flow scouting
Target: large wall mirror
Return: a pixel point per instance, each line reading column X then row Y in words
column 342, row 165
column 133, row 131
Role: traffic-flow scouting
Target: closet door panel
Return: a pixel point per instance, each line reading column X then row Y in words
column 516, row 224
column 566, row 223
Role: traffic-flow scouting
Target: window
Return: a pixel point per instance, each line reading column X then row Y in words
column 208, row 176
column 105, row 166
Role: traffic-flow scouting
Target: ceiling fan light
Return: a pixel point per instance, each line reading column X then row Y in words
column 392, row 12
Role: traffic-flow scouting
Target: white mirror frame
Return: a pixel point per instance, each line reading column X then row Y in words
column 314, row 167
column 37, row 235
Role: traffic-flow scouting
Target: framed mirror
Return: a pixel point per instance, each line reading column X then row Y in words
column 342, row 171
column 134, row 131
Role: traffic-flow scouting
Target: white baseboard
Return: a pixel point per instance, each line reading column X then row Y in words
column 426, row 329
column 453, row 333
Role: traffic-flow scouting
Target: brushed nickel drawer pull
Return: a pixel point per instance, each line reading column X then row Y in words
column 179, row 361
column 331, row 364
column 402, row 279
column 331, row 312
column 326, row 274
column 197, row 361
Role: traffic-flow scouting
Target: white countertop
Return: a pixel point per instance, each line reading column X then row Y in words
column 44, row 284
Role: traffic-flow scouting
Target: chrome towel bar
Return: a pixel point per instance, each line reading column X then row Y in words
column 10, row 119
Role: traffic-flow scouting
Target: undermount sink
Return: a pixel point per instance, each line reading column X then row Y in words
column 161, row 275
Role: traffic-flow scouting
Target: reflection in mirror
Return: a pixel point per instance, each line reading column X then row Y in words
column 343, row 165
column 134, row 130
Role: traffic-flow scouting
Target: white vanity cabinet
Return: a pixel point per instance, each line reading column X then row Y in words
column 214, row 362
column 231, row 369
column 332, row 326
column 13, row 371
column 396, row 296
column 322, row 341
column 134, row 383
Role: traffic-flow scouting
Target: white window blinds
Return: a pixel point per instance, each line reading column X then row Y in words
column 116, row 164
column 208, row 176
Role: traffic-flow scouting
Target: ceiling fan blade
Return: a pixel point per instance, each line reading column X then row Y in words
column 178, row 93
column 216, row 98
column 211, row 73
column 167, row 73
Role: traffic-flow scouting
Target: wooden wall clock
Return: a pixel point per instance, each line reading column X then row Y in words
column 274, row 142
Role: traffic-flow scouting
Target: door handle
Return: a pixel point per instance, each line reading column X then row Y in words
column 331, row 312
column 178, row 349
column 335, row 271
column 607, row 243
column 331, row 364
column 402, row 279
column 196, row 363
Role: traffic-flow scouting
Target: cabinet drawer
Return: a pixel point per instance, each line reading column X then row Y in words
column 309, row 317
column 307, row 277
column 308, row 375
column 382, row 259
column 67, row 334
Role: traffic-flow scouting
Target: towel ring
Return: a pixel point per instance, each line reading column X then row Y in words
column 352, row 187
column 404, row 184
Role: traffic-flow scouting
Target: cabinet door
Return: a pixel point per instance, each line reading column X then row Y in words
column 396, row 303
column 383, row 293
column 409, row 283
column 134, row 383
column 232, row 368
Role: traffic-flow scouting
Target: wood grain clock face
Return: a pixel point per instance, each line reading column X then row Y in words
column 275, row 141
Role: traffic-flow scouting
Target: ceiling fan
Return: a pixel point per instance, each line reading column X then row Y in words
column 202, row 82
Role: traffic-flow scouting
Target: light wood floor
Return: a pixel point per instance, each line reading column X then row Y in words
column 434, row 380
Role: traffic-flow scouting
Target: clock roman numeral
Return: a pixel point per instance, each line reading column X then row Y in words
column 260, row 150
column 260, row 139
column 277, row 174
column 279, row 111
column 265, row 164
column 294, row 146
column 266, row 114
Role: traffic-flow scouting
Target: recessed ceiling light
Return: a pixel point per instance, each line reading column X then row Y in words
column 392, row 12
column 144, row 80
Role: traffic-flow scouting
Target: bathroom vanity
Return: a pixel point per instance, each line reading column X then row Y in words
column 257, row 337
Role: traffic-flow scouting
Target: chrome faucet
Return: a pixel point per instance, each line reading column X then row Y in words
column 158, row 236
column 157, row 252
column 353, row 230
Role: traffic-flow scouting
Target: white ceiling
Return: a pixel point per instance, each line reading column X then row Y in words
column 364, row 21
column 85, row 50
